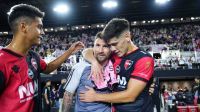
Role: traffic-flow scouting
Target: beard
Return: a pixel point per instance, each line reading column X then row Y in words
column 101, row 59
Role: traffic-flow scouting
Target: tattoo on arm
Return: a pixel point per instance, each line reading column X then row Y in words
column 67, row 101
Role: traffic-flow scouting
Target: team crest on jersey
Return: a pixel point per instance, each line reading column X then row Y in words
column 34, row 63
column 128, row 64
column 117, row 69
column 30, row 74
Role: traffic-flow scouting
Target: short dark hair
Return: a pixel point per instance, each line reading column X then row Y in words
column 22, row 10
column 47, row 80
column 98, row 35
column 114, row 28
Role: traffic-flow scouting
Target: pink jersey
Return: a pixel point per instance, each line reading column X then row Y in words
column 109, row 77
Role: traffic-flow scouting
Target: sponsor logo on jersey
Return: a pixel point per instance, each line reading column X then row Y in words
column 122, row 81
column 28, row 91
column 147, row 65
column 111, row 68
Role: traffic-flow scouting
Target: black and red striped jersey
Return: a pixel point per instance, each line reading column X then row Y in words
column 21, row 79
column 138, row 65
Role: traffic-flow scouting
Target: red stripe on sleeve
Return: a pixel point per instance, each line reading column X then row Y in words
column 144, row 68
column 43, row 64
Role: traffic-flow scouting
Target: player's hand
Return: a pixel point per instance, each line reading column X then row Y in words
column 88, row 95
column 96, row 72
column 75, row 47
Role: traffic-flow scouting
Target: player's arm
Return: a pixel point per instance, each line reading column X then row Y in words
column 2, row 81
column 70, row 87
column 46, row 97
column 135, row 87
column 67, row 101
column 88, row 55
column 136, row 84
column 58, row 61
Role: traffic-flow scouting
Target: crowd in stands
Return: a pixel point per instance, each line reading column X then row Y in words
column 176, row 37
column 183, row 37
column 184, row 96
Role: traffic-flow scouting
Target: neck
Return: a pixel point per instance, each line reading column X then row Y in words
column 19, row 46
column 131, row 48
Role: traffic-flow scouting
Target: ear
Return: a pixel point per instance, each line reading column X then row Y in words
column 128, row 36
column 23, row 27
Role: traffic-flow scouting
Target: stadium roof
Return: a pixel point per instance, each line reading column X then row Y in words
column 91, row 11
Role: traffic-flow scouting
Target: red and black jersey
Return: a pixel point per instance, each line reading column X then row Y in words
column 21, row 78
column 138, row 65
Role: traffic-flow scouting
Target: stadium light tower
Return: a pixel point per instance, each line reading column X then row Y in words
column 161, row 1
column 110, row 4
column 61, row 8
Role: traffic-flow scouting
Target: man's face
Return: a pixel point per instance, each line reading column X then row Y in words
column 119, row 45
column 35, row 31
column 101, row 50
column 49, row 83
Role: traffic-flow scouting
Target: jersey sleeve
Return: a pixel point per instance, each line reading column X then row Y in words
column 73, row 79
column 45, row 91
column 144, row 68
column 43, row 64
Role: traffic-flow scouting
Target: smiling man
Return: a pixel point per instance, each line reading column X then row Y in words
column 78, row 79
column 20, row 68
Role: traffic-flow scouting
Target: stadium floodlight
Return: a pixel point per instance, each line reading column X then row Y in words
column 161, row 1
column 110, row 4
column 192, row 18
column 6, row 33
column 162, row 20
column 61, row 8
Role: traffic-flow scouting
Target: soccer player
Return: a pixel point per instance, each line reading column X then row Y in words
column 20, row 68
column 78, row 80
column 134, row 69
